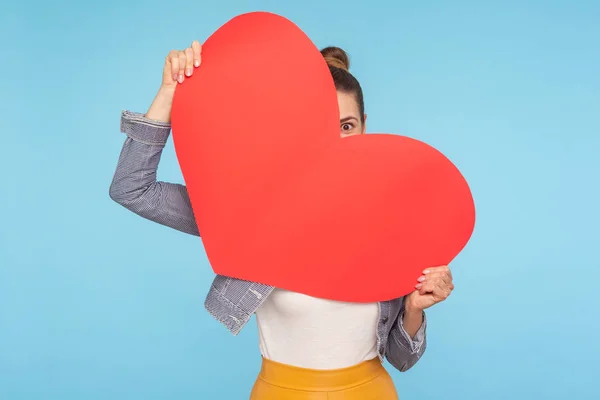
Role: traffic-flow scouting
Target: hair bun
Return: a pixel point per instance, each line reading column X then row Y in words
column 336, row 57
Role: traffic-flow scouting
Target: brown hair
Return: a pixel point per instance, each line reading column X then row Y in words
column 339, row 64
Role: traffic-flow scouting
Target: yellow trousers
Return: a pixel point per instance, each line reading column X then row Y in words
column 366, row 381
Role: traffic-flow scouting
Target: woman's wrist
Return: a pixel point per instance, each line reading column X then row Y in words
column 413, row 313
column 160, row 109
column 412, row 319
column 410, row 308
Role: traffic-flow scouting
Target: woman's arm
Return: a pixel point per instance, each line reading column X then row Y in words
column 134, row 184
column 407, row 340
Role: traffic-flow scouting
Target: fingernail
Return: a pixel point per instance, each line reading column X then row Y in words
column 180, row 78
column 175, row 77
column 197, row 63
column 418, row 285
column 426, row 271
column 421, row 279
column 188, row 71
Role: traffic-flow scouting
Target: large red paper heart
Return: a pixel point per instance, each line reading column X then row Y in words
column 281, row 199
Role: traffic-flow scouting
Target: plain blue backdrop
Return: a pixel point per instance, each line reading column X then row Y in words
column 97, row 303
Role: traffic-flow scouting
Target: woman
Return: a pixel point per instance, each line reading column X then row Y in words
column 311, row 348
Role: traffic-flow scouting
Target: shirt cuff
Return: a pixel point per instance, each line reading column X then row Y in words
column 144, row 130
column 418, row 341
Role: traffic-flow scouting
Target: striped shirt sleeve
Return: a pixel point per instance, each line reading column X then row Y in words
column 134, row 184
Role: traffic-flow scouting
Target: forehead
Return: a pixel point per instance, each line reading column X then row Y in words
column 348, row 105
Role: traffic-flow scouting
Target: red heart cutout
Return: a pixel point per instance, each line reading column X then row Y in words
column 281, row 199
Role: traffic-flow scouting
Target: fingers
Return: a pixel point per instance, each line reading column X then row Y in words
column 425, row 287
column 197, row 53
column 432, row 287
column 436, row 276
column 439, row 289
column 182, row 64
column 443, row 268
column 178, row 64
column 189, row 61
column 173, row 59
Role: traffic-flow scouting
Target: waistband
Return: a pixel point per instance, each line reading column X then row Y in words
column 297, row 378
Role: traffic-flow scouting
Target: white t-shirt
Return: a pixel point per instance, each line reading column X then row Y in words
column 308, row 332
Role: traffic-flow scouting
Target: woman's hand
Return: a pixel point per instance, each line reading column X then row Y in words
column 434, row 285
column 179, row 64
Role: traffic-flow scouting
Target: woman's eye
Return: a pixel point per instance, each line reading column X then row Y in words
column 347, row 127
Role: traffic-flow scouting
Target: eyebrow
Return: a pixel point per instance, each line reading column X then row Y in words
column 346, row 119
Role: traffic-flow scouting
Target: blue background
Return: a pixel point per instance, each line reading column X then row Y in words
column 97, row 303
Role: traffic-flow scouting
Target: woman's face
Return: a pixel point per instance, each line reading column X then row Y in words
column 350, row 121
